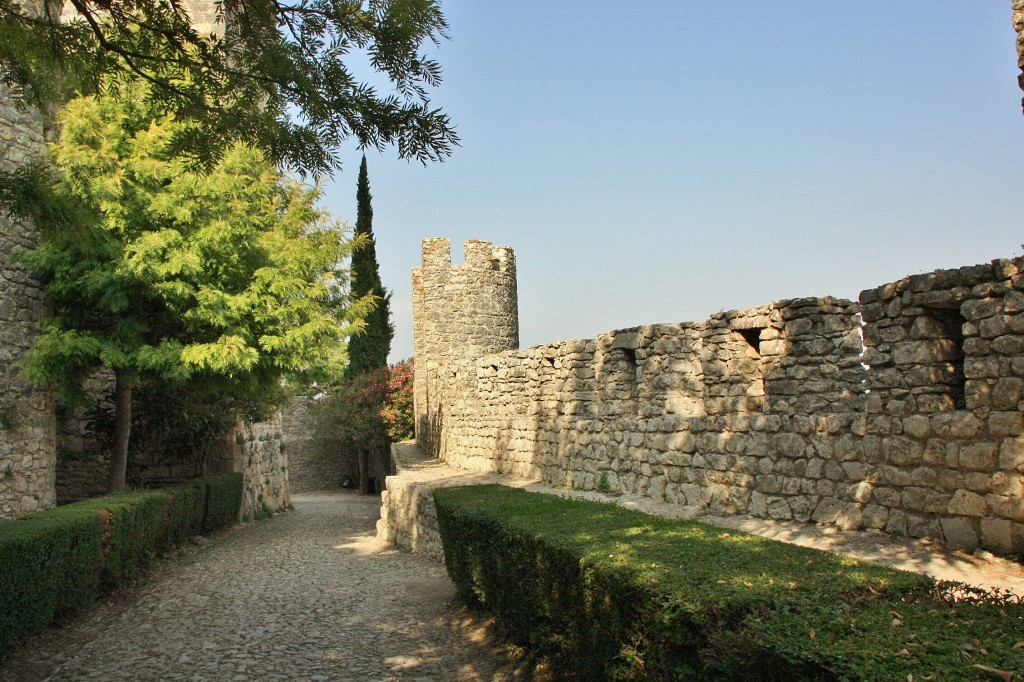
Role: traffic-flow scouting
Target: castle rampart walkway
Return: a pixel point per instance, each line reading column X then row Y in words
column 310, row 595
column 409, row 521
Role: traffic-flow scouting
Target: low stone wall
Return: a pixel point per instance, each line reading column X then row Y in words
column 409, row 522
column 408, row 517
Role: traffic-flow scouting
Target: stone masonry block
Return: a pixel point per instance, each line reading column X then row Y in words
column 959, row 533
column 966, row 503
column 997, row 535
column 1004, row 424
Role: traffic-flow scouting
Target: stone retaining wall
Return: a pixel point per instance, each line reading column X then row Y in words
column 780, row 411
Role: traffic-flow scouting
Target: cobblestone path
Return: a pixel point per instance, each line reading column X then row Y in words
column 309, row 595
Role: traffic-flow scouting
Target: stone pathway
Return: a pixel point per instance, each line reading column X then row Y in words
column 309, row 595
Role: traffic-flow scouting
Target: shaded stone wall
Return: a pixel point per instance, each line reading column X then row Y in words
column 780, row 411
column 257, row 451
column 308, row 470
column 27, row 421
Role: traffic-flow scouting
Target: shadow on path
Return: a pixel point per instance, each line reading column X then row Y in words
column 307, row 595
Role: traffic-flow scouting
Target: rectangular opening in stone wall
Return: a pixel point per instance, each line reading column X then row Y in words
column 940, row 375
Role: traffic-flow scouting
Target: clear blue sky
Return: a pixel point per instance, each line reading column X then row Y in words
column 661, row 161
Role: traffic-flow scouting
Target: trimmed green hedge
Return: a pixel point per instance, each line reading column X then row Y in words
column 223, row 500
column 54, row 562
column 601, row 592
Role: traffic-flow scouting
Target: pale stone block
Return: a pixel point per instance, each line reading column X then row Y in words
column 1003, row 424
column 997, row 535
column 966, row 503
column 979, row 456
column 959, row 533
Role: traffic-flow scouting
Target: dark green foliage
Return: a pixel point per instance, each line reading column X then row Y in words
column 277, row 80
column 185, row 511
column 133, row 522
column 171, row 424
column 54, row 562
column 48, row 569
column 601, row 592
column 368, row 349
column 223, row 500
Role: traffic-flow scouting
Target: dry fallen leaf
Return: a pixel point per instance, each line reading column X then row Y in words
column 904, row 653
column 1004, row 675
column 812, row 634
column 748, row 584
column 897, row 622
column 1019, row 645
column 792, row 586
column 721, row 582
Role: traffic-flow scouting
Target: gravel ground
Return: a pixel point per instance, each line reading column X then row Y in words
column 308, row 595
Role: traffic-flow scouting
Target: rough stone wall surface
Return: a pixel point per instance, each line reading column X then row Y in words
column 781, row 411
column 256, row 451
column 307, row 470
column 483, row 291
column 27, row 421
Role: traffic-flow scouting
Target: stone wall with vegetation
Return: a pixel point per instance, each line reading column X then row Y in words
column 901, row 413
column 308, row 469
column 27, row 422
column 258, row 452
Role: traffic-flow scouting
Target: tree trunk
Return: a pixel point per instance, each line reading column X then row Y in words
column 122, row 430
column 363, row 473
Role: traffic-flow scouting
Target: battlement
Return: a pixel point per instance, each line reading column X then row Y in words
column 480, row 255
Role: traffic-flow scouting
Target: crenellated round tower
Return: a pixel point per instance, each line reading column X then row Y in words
column 460, row 314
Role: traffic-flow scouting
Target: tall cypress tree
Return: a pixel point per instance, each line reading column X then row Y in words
column 368, row 350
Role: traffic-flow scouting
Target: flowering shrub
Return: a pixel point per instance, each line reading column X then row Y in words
column 397, row 411
column 363, row 415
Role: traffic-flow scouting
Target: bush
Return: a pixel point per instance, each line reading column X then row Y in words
column 132, row 525
column 601, row 592
column 223, row 500
column 398, row 405
column 54, row 562
column 185, row 512
column 48, row 568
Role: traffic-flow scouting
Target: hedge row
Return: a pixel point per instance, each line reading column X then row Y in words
column 54, row 562
column 601, row 592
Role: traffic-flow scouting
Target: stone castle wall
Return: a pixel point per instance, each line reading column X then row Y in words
column 27, row 421
column 901, row 413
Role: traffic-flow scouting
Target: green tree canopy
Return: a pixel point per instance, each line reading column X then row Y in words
column 229, row 280
column 369, row 348
column 277, row 78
